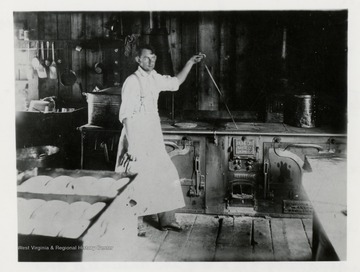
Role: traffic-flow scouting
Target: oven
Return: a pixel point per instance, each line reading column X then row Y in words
column 235, row 173
column 188, row 155
column 284, row 163
column 228, row 172
column 243, row 170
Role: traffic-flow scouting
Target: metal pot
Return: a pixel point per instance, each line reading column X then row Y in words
column 99, row 68
column 300, row 111
column 68, row 77
column 36, row 156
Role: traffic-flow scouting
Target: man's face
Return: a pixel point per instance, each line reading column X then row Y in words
column 147, row 60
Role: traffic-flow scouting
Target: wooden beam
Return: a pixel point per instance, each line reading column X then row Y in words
column 175, row 42
column 61, row 53
column 227, row 57
column 209, row 42
column 50, row 26
column 93, row 30
column 93, row 25
column 187, row 97
column 32, row 22
column 78, row 26
column 64, row 26
column 241, row 43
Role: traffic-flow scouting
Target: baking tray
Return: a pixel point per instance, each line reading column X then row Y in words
column 71, row 194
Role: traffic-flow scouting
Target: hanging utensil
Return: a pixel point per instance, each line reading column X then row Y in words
column 53, row 71
column 68, row 77
column 99, row 66
column 47, row 61
column 41, row 69
column 29, row 69
column 35, row 61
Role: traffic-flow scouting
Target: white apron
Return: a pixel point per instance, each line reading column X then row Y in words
column 156, row 187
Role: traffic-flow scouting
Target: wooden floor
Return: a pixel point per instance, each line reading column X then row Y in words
column 225, row 238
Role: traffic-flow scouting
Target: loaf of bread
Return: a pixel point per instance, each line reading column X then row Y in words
column 27, row 207
column 118, row 184
column 59, row 185
column 34, row 184
column 40, row 221
column 79, row 208
column 93, row 210
column 25, row 226
column 46, row 228
column 83, row 186
column 74, row 229
column 103, row 187
column 24, row 209
column 48, row 211
column 73, row 212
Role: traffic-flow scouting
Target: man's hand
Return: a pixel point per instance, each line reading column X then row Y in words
column 185, row 71
column 125, row 161
column 197, row 58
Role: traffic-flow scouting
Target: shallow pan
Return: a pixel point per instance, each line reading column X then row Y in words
column 68, row 77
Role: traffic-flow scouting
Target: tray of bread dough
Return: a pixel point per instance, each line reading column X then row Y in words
column 71, row 189
column 56, row 218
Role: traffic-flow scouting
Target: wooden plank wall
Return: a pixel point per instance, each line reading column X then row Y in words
column 227, row 60
column 209, row 44
column 67, row 30
column 187, row 98
column 243, row 52
column 189, row 33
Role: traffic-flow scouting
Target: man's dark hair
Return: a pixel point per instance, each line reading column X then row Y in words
column 145, row 46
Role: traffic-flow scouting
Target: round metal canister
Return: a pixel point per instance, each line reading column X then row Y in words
column 300, row 111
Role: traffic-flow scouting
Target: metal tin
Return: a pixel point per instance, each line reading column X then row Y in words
column 21, row 34
column 103, row 109
column 26, row 35
column 300, row 111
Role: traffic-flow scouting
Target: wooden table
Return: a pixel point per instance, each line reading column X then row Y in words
column 325, row 187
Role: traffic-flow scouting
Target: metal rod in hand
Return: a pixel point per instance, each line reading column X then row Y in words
column 221, row 95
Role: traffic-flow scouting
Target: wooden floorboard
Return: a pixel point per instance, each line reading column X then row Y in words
column 148, row 246
column 172, row 249
column 234, row 240
column 308, row 225
column 202, row 241
column 280, row 241
column 262, row 241
column 226, row 238
column 289, row 240
column 298, row 241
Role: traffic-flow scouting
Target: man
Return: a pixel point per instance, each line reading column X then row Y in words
column 156, row 188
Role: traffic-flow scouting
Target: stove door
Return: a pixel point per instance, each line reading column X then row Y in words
column 188, row 155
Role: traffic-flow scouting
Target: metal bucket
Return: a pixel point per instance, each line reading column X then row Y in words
column 103, row 109
column 300, row 111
